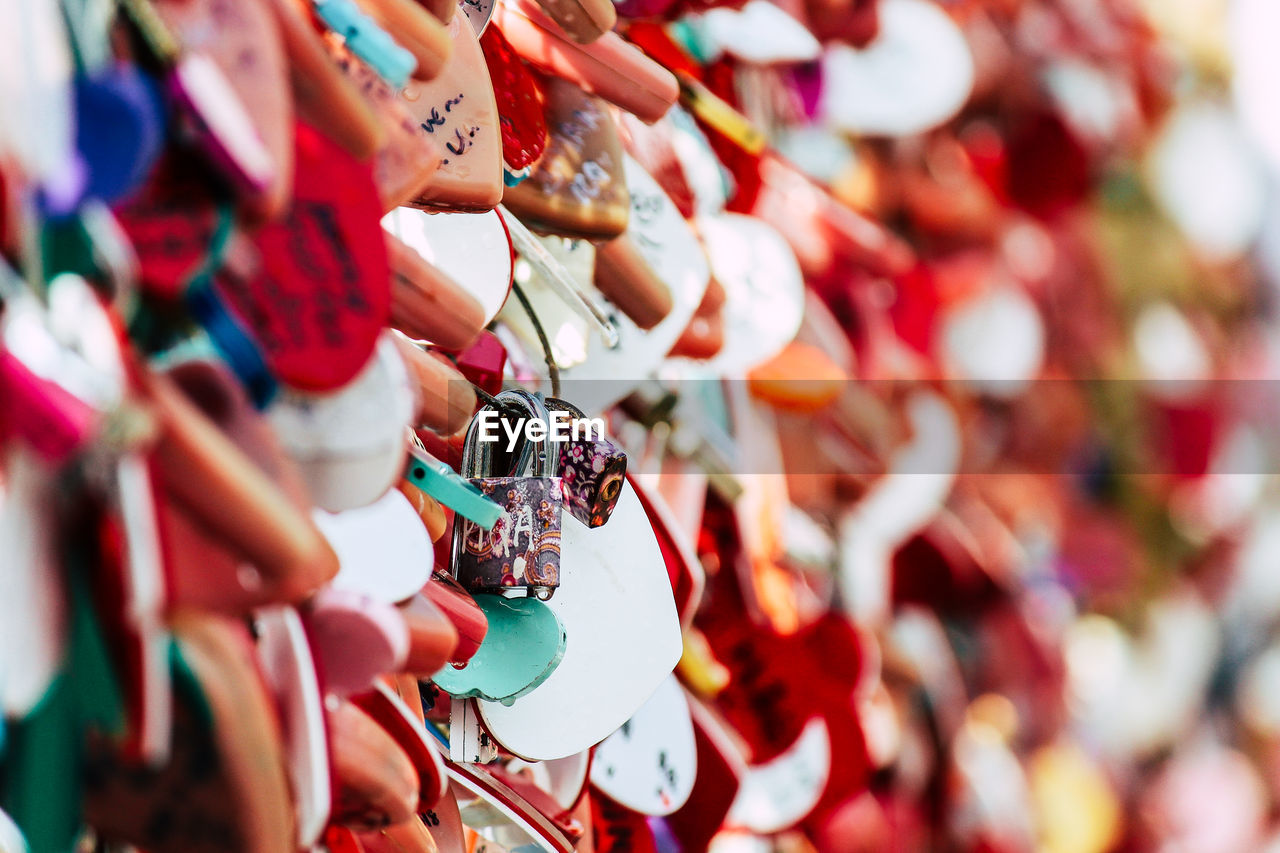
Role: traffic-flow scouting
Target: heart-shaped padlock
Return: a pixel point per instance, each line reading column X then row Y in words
column 577, row 188
column 458, row 109
column 521, row 553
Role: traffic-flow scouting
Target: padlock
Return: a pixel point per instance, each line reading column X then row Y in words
column 521, row 554
column 214, row 113
column 591, row 469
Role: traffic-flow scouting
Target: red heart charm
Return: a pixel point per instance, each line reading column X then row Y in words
column 617, row 829
column 323, row 293
column 521, row 102
column 170, row 221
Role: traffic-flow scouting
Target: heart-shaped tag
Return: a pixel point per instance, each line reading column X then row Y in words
column 649, row 765
column 472, row 249
column 408, row 159
column 458, row 109
column 764, row 291
column 243, row 39
column 383, row 548
column 323, row 294
column 521, row 106
column 778, row 794
column 720, row 772
column 290, row 673
column 578, row 188
column 669, row 246
column 406, row 727
column 524, row 645
column 377, row 784
column 354, row 639
column 773, row 689
column 614, row 590
column 914, row 75
column 781, row 683
column 350, row 445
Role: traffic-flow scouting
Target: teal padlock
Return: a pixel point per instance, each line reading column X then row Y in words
column 523, row 646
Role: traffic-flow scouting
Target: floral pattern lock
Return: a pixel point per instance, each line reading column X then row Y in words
column 591, row 473
column 523, row 548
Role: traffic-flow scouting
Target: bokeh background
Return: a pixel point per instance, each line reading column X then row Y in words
column 1080, row 649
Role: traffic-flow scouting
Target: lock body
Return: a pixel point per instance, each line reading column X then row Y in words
column 592, row 469
column 522, row 551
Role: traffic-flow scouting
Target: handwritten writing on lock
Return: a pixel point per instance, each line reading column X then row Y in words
column 462, row 138
column 322, row 294
column 317, row 306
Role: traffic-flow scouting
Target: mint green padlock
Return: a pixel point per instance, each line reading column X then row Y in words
column 523, row 646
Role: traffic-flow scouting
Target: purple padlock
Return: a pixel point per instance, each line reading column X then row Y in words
column 591, row 469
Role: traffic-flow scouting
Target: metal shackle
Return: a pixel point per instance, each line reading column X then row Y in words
column 535, row 460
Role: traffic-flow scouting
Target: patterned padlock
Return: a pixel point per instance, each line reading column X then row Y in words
column 521, row 554
column 591, row 468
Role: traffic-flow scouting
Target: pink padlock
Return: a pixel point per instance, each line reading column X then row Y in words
column 48, row 417
column 354, row 639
